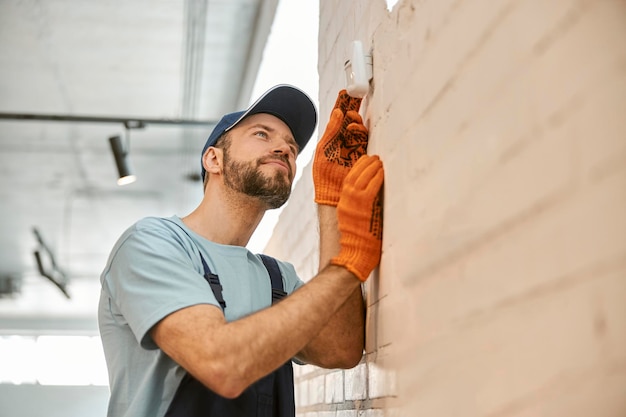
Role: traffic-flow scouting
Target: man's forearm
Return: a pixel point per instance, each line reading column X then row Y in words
column 329, row 234
column 306, row 312
column 340, row 343
column 228, row 357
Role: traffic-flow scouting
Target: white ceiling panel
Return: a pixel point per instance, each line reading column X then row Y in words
column 153, row 60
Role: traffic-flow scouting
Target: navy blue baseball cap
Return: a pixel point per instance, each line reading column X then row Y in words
column 288, row 103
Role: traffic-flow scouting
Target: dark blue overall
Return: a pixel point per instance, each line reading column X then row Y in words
column 271, row 396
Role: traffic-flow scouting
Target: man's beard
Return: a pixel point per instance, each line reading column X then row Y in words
column 247, row 178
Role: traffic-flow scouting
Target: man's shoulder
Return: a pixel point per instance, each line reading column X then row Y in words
column 153, row 222
column 157, row 227
column 146, row 232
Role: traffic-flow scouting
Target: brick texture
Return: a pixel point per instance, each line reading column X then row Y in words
column 502, row 287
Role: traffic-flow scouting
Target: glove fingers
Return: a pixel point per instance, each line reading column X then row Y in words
column 356, row 136
column 334, row 123
column 362, row 164
column 354, row 144
column 364, row 171
column 372, row 178
column 357, row 130
column 377, row 180
column 353, row 116
column 345, row 102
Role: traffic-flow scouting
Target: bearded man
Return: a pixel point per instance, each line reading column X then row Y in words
column 194, row 324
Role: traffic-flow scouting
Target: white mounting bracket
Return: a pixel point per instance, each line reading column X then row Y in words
column 358, row 69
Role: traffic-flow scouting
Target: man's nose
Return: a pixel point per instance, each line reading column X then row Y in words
column 281, row 148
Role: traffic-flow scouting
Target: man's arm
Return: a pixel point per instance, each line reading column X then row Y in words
column 340, row 343
column 228, row 357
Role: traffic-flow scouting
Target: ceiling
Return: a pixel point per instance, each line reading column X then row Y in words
column 71, row 73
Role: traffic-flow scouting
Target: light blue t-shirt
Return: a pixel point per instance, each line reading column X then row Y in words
column 154, row 270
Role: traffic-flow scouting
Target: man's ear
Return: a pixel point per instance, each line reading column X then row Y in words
column 212, row 160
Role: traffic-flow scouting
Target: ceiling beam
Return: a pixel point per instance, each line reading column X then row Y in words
column 129, row 122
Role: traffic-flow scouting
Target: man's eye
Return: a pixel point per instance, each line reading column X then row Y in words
column 261, row 134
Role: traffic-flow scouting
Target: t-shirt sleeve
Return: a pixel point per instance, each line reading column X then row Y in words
column 153, row 273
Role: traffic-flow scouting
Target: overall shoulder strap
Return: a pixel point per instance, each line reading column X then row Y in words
column 212, row 279
column 278, row 291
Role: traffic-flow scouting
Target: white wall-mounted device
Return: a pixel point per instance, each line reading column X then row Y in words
column 358, row 70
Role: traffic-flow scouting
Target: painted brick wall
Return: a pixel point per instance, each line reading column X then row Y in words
column 502, row 288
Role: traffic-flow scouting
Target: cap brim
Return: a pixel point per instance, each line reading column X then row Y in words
column 290, row 104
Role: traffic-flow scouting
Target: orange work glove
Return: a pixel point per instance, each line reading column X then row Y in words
column 343, row 142
column 360, row 217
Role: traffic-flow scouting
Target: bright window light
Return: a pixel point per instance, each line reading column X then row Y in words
column 52, row 360
column 16, row 360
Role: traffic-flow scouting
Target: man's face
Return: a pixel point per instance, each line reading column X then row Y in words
column 259, row 159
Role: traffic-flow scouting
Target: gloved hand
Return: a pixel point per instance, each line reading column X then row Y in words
column 360, row 217
column 343, row 142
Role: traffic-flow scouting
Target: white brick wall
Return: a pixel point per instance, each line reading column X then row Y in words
column 502, row 288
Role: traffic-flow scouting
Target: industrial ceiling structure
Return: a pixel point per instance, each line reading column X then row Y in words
column 156, row 74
